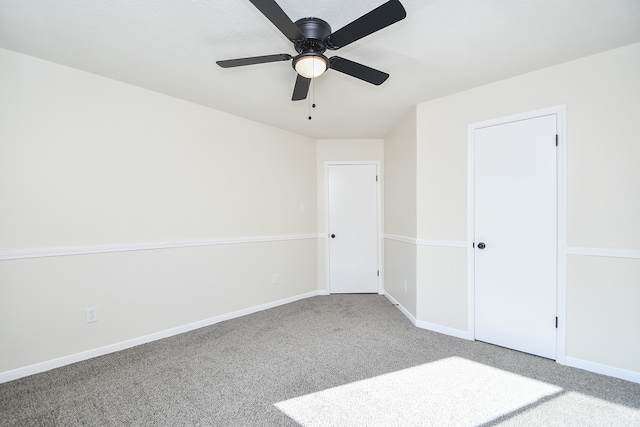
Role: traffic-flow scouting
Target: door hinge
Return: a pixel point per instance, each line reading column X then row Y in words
column 376, row 178
column 378, row 273
column 556, row 322
column 556, row 140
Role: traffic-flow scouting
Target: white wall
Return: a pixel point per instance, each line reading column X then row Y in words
column 400, row 213
column 339, row 150
column 89, row 164
column 602, row 98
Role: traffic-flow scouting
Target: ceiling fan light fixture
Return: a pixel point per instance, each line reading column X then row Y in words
column 310, row 64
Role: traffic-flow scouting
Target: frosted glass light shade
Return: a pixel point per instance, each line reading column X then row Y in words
column 311, row 66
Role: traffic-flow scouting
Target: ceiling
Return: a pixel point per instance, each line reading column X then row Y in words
column 442, row 47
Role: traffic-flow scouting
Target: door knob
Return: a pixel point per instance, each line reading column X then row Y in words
column 333, row 236
column 481, row 245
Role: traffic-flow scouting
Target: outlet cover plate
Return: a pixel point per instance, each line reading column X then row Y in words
column 92, row 314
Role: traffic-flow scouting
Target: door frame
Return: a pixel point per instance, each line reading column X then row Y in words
column 561, row 169
column 375, row 163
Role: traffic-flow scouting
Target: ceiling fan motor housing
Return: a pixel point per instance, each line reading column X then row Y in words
column 315, row 32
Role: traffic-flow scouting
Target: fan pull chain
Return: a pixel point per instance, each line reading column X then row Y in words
column 313, row 95
column 312, row 98
column 313, row 89
column 309, row 101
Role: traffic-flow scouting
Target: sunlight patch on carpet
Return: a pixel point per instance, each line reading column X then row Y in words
column 452, row 391
column 576, row 409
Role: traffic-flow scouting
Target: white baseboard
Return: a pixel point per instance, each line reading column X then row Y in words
column 401, row 308
column 426, row 325
column 111, row 348
column 458, row 333
column 599, row 368
column 37, row 368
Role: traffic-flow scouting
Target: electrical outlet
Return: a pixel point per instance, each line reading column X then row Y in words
column 405, row 284
column 92, row 314
column 276, row 279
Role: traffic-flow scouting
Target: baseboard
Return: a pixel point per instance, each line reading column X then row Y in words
column 123, row 345
column 400, row 307
column 37, row 368
column 458, row 333
column 599, row 368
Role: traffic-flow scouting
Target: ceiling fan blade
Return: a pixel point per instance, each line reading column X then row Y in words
column 276, row 15
column 301, row 88
column 358, row 71
column 253, row 60
column 379, row 18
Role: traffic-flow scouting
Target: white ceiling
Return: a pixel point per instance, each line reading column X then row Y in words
column 442, row 47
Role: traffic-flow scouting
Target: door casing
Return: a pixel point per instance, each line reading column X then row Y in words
column 560, row 112
column 326, row 216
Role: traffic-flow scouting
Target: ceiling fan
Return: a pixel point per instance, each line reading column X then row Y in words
column 311, row 37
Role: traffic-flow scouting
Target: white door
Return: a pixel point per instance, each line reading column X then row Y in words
column 353, row 228
column 515, row 238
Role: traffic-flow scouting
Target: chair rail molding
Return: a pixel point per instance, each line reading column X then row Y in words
column 103, row 249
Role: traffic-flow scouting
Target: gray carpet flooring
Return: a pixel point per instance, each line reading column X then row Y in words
column 327, row 360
